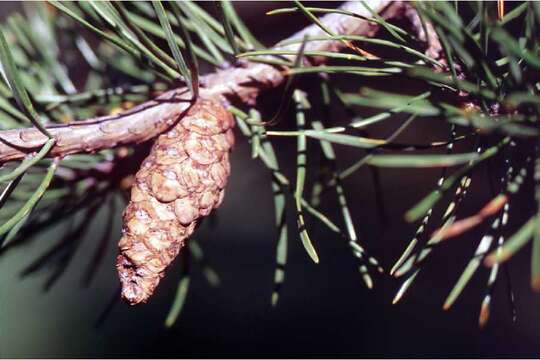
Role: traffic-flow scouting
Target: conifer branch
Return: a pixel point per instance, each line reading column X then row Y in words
column 241, row 83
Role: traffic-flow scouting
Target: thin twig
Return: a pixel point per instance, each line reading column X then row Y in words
column 242, row 83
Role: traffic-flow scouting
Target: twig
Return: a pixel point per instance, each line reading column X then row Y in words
column 242, row 83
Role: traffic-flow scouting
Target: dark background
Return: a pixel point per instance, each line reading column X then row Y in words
column 324, row 310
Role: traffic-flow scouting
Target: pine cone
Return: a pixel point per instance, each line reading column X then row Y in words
column 181, row 181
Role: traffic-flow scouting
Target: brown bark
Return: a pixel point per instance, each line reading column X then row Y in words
column 149, row 119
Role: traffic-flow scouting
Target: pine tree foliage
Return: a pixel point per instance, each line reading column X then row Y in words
column 476, row 70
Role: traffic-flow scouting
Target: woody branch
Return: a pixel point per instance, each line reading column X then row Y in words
column 241, row 83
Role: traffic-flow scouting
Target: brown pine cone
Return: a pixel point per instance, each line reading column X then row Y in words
column 181, row 181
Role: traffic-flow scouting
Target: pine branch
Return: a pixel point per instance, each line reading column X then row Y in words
column 242, row 83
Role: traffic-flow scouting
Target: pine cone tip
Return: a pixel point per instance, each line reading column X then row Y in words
column 136, row 287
